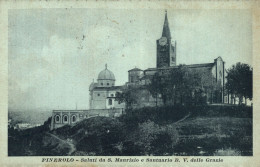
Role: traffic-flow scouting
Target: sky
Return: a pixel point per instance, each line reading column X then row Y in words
column 54, row 54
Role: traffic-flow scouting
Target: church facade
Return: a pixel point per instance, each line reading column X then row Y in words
column 101, row 102
column 102, row 93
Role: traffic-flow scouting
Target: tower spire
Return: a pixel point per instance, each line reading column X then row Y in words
column 106, row 66
column 166, row 30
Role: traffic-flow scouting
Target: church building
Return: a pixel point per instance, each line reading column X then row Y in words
column 102, row 93
column 101, row 102
column 166, row 59
column 166, row 51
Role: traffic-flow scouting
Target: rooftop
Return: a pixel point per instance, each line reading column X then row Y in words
column 135, row 69
column 108, row 88
column 189, row 66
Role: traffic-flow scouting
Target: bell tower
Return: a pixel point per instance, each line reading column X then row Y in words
column 166, row 52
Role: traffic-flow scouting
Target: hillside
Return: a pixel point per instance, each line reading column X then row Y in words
column 208, row 130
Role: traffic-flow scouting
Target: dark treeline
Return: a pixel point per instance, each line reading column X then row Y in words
column 27, row 142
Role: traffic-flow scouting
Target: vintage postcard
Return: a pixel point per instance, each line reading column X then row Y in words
column 134, row 83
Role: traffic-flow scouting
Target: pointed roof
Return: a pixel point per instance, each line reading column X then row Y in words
column 166, row 30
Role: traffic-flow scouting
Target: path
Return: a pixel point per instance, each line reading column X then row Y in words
column 182, row 119
column 72, row 146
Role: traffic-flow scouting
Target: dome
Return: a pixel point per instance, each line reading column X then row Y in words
column 106, row 75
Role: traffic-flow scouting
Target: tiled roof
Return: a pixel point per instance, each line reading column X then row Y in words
column 135, row 69
column 200, row 65
column 188, row 66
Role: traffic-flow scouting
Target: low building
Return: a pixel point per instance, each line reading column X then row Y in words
column 70, row 117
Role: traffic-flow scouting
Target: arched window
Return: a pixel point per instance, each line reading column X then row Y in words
column 57, row 119
column 110, row 102
column 74, row 118
column 65, row 118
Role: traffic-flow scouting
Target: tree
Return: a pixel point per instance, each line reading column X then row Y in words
column 187, row 83
column 154, row 139
column 240, row 81
column 178, row 85
column 210, row 86
column 147, row 132
column 128, row 96
column 158, row 87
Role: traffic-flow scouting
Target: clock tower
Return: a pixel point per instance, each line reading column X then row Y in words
column 166, row 52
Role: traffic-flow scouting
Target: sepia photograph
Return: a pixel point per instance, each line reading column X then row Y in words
column 130, row 82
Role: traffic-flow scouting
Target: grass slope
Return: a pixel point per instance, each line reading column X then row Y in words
column 169, row 130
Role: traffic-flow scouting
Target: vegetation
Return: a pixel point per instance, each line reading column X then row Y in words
column 240, row 81
column 27, row 142
column 161, row 115
column 184, row 125
column 167, row 130
column 183, row 86
column 129, row 96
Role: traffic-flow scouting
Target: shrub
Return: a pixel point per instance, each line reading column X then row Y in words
column 154, row 139
column 222, row 110
column 160, row 115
